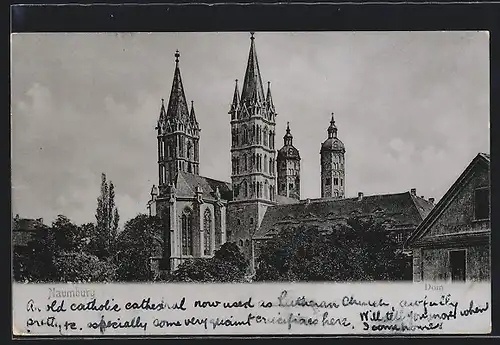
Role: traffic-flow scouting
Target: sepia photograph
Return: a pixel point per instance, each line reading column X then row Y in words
column 250, row 157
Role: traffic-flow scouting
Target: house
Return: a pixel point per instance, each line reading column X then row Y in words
column 453, row 241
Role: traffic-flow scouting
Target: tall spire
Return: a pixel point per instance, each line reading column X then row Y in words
column 236, row 97
column 253, row 91
column 163, row 113
column 269, row 97
column 332, row 129
column 287, row 138
column 177, row 105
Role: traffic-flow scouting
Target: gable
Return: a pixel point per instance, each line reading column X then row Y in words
column 454, row 213
column 458, row 215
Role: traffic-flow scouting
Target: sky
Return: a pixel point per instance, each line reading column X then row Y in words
column 412, row 109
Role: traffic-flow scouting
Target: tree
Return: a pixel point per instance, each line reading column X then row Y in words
column 107, row 219
column 361, row 249
column 81, row 267
column 141, row 239
column 227, row 265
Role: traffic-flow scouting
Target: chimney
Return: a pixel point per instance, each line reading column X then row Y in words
column 431, row 200
column 360, row 196
column 413, row 191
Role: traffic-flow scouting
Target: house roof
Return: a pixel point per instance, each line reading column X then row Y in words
column 423, row 228
column 186, row 186
column 405, row 209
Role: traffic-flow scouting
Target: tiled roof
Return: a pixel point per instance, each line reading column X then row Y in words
column 284, row 200
column 208, row 186
column 403, row 208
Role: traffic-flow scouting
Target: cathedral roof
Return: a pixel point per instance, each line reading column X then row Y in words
column 333, row 144
column 187, row 183
column 288, row 151
column 253, row 91
column 177, row 106
column 405, row 209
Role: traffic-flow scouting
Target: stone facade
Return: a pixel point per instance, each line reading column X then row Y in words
column 453, row 243
column 288, row 168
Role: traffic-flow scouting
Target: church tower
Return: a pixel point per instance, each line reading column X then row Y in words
column 332, row 164
column 288, row 168
column 178, row 134
column 252, row 153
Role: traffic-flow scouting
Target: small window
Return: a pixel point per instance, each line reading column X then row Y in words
column 251, row 220
column 238, row 222
column 341, row 182
column 328, row 181
column 457, row 264
column 241, row 243
column 482, row 204
column 336, row 181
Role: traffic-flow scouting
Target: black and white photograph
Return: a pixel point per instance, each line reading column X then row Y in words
column 251, row 157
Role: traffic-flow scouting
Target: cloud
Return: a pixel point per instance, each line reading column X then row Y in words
column 412, row 109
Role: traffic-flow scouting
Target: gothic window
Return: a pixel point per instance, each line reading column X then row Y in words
column 251, row 220
column 341, row 182
column 328, row 181
column 189, row 168
column 265, row 136
column 253, row 188
column 207, row 227
column 336, row 193
column 271, row 165
column 271, row 193
column 189, row 149
column 336, row 181
column 244, row 189
column 266, row 189
column 253, row 133
column 237, row 166
column 271, row 139
column 187, row 232
column 244, row 165
column 283, row 186
column 265, row 163
column 290, row 186
column 241, row 243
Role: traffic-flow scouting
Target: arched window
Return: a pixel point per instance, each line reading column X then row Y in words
column 265, row 163
column 271, row 166
column 187, row 232
column 207, row 227
column 244, row 188
column 265, row 136
column 189, row 150
column 270, row 139
column 266, row 190
column 241, row 243
column 245, row 165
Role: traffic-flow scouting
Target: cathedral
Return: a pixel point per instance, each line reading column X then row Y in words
column 263, row 196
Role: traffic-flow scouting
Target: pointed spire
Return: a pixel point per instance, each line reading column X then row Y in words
column 236, row 98
column 332, row 129
column 269, row 97
column 287, row 138
column 177, row 105
column 253, row 91
column 192, row 116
